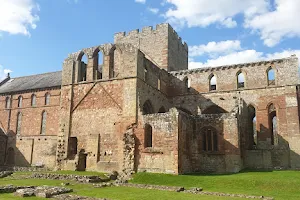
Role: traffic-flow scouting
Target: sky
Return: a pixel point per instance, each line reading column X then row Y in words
column 37, row 35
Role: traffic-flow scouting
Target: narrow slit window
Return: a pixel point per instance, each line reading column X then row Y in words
column 271, row 76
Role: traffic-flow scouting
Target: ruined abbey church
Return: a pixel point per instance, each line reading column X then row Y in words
column 134, row 105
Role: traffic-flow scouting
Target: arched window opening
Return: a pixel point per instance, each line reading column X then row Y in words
column 271, row 76
column 212, row 83
column 148, row 135
column 240, row 80
column 82, row 67
column 20, row 99
column 47, row 99
column 187, row 83
column 214, row 109
column 162, row 110
column 43, row 123
column 147, row 108
column 99, row 64
column 33, row 100
column 209, row 139
column 273, row 125
column 19, row 123
column 7, row 103
column 252, row 126
column 73, row 142
column 146, row 75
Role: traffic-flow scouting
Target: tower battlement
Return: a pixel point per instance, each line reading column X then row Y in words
column 161, row 45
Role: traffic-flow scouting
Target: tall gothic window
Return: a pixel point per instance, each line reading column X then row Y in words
column 47, row 99
column 19, row 123
column 148, row 135
column 20, row 99
column 43, row 123
column 147, row 108
column 33, row 100
column 7, row 103
column 273, row 124
column 271, row 76
column 240, row 80
column 252, row 126
column 212, row 82
column 209, row 139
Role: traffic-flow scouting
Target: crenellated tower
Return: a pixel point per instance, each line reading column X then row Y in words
column 162, row 46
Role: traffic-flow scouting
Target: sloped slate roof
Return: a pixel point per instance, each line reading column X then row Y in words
column 39, row 81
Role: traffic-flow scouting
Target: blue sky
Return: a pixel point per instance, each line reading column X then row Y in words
column 37, row 35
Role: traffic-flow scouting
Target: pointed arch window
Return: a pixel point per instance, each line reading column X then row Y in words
column 271, row 76
column 19, row 123
column 7, row 102
column 147, row 108
column 212, row 83
column 252, row 126
column 209, row 139
column 47, row 99
column 273, row 124
column 20, row 99
column 82, row 67
column 43, row 123
column 33, row 100
column 148, row 135
column 240, row 80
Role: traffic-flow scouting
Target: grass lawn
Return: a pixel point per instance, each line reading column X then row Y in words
column 114, row 193
column 283, row 185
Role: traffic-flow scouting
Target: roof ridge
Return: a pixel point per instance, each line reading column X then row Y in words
column 35, row 75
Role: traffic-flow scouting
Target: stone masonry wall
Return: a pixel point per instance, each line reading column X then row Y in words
column 162, row 46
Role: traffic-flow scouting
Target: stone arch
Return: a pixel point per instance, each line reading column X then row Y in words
column 81, row 66
column 251, row 120
column 10, row 156
column 214, row 109
column 240, row 79
column 148, row 108
column 7, row 102
column 212, row 81
column 43, row 123
column 47, row 98
column 187, row 83
column 148, row 140
column 210, row 140
column 20, row 101
column 271, row 76
column 33, row 100
column 273, row 123
column 98, row 61
column 19, row 123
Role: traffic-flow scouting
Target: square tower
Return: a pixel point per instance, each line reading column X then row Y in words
column 162, row 46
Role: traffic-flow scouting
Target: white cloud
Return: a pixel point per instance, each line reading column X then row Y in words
column 275, row 25
column 18, row 16
column 244, row 56
column 153, row 10
column 203, row 13
column 3, row 72
column 140, row 1
column 212, row 48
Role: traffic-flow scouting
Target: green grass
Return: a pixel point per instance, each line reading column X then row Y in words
column 284, row 185
column 114, row 193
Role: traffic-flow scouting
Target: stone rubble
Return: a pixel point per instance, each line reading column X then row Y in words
column 12, row 189
column 42, row 191
column 78, row 178
column 75, row 197
column 4, row 174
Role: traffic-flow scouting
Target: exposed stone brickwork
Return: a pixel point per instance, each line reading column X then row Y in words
column 143, row 110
